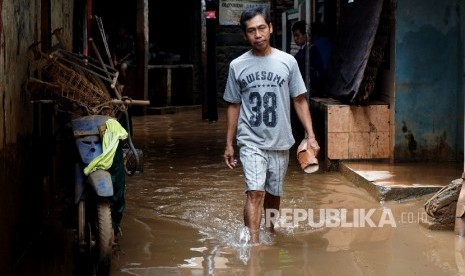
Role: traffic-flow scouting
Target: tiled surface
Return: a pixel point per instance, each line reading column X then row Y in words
column 379, row 144
column 387, row 181
column 357, row 132
column 407, row 174
column 341, row 149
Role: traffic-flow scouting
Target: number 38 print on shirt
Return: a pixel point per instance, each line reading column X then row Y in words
column 264, row 87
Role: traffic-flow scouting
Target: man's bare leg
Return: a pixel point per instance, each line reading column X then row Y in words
column 271, row 202
column 252, row 214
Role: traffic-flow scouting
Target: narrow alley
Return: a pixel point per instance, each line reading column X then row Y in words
column 184, row 217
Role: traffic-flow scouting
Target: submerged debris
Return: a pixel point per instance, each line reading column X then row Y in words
column 441, row 207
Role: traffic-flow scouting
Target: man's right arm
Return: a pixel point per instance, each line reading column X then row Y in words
column 232, row 119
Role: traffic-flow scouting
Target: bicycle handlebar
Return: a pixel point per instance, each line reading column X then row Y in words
column 130, row 102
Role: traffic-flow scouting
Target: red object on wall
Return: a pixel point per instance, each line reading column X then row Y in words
column 210, row 14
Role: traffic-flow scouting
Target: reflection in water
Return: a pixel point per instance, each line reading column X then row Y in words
column 460, row 253
column 184, row 217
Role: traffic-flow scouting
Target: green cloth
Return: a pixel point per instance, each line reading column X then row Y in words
column 113, row 134
column 118, row 178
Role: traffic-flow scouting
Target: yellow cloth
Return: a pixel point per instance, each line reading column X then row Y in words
column 113, row 134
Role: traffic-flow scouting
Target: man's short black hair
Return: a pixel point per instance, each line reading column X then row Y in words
column 300, row 26
column 252, row 12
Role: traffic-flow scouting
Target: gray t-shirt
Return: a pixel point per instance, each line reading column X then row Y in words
column 264, row 86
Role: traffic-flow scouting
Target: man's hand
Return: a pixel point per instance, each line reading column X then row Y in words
column 313, row 144
column 229, row 157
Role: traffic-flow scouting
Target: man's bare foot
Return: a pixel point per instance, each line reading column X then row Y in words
column 254, row 236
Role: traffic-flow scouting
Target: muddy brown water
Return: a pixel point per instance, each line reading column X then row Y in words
column 184, row 217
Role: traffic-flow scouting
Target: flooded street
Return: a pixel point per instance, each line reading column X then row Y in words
column 184, row 216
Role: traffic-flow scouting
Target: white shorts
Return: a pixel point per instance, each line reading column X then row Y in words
column 264, row 170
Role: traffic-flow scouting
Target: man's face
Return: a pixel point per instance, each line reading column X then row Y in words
column 299, row 38
column 258, row 33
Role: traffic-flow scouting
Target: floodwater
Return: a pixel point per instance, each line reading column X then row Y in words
column 184, row 217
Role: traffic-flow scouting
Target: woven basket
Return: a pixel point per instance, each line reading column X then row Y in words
column 75, row 87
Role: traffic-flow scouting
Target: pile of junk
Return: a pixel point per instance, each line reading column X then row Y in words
column 85, row 91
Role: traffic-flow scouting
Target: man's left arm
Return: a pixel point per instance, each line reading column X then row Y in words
column 303, row 112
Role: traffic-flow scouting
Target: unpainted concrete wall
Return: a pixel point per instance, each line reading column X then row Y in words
column 62, row 17
column 428, row 80
column 24, row 186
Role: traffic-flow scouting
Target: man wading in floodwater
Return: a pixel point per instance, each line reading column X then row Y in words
column 260, row 85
